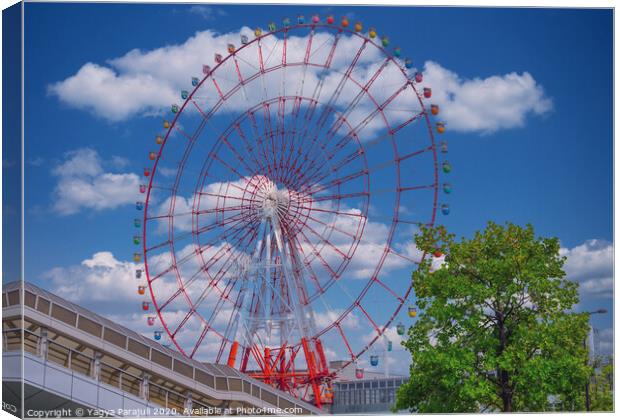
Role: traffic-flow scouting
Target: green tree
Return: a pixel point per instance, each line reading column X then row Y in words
column 495, row 330
column 602, row 385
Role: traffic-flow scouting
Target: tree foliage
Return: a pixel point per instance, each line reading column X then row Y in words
column 602, row 385
column 496, row 331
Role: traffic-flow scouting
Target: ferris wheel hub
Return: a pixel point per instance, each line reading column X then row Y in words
column 275, row 202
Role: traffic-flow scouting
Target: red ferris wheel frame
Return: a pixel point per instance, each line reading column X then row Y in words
column 278, row 368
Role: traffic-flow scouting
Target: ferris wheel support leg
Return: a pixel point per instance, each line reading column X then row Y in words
column 310, row 349
column 312, row 372
column 232, row 356
column 244, row 360
column 319, row 347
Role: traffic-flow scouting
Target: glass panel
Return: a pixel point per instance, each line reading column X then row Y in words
column 12, row 340
column 157, row 395
column 110, row 375
column 57, row 354
column 176, row 401
column 81, row 363
column 131, row 384
column 31, row 343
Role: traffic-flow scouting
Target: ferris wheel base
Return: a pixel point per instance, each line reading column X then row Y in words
column 277, row 368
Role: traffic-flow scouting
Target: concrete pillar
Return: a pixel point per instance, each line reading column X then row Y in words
column 189, row 403
column 144, row 386
column 95, row 370
column 43, row 344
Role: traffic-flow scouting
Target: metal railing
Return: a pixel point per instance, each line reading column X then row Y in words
column 93, row 367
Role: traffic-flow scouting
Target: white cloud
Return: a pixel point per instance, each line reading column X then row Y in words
column 207, row 12
column 113, row 96
column 485, row 105
column 591, row 264
column 147, row 82
column 101, row 278
column 83, row 184
column 324, row 319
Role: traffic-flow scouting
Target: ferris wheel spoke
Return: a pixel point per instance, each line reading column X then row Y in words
column 415, row 188
column 333, row 226
column 228, row 197
column 372, row 321
column 308, row 266
column 259, row 139
column 167, row 216
column 293, row 132
column 223, row 209
column 248, row 147
column 318, row 90
column 388, row 289
column 269, row 134
column 336, row 212
column 365, row 89
column 235, row 218
column 240, row 77
column 319, row 256
column 202, row 336
column 227, row 165
column 336, row 94
column 183, row 322
column 300, row 84
column 238, row 155
column 404, row 257
column 219, row 275
column 327, row 242
column 157, row 246
column 244, row 231
column 281, row 133
column 213, row 285
column 336, row 181
column 346, row 342
column 341, row 196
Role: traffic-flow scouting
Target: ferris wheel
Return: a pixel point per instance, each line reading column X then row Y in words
column 281, row 200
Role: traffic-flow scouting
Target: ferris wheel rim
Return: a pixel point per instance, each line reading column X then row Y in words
column 424, row 113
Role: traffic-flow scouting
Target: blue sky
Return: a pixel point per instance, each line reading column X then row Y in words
column 548, row 163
